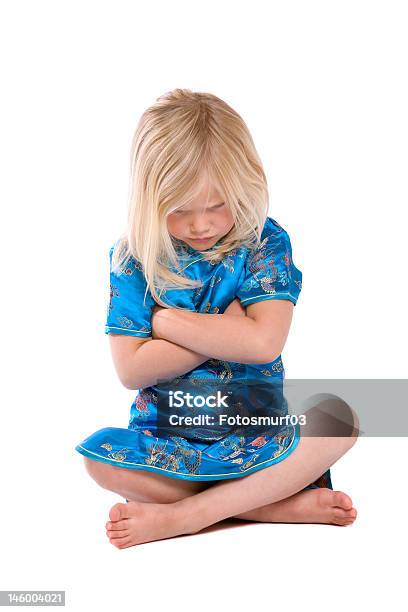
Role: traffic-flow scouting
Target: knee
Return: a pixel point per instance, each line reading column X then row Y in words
column 90, row 465
column 350, row 428
column 96, row 470
column 107, row 476
column 330, row 416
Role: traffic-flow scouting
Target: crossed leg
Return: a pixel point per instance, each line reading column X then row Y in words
column 162, row 507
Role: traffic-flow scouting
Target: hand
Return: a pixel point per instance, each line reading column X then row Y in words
column 235, row 308
column 157, row 308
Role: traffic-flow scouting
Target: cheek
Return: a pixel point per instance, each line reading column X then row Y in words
column 228, row 219
column 173, row 225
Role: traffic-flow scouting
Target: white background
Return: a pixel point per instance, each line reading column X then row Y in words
column 323, row 89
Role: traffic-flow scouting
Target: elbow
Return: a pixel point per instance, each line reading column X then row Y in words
column 134, row 382
column 131, row 381
column 266, row 352
column 265, row 358
column 125, row 379
column 129, row 367
column 129, row 384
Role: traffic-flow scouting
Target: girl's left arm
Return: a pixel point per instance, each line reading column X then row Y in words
column 256, row 338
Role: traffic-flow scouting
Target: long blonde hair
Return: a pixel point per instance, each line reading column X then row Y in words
column 184, row 138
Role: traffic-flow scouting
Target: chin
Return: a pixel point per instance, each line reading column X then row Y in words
column 201, row 246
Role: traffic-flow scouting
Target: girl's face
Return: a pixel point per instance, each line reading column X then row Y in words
column 201, row 224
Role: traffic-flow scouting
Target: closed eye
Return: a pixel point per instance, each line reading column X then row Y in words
column 180, row 212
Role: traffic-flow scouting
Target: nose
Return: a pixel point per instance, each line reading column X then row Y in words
column 200, row 225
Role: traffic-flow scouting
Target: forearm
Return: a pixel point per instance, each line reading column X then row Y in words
column 220, row 336
column 159, row 360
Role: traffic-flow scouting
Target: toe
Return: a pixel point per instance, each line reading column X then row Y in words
column 118, row 511
column 347, row 522
column 341, row 514
column 344, row 517
column 341, row 500
column 351, row 516
column 113, row 535
column 340, row 521
column 118, row 525
column 125, row 543
column 121, row 542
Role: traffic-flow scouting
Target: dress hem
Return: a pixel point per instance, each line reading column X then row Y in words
column 197, row 477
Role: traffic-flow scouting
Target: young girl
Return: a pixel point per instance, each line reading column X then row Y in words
column 203, row 288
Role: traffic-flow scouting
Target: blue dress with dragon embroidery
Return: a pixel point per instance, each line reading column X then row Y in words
column 203, row 453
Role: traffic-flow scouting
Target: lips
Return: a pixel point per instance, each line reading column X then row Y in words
column 201, row 239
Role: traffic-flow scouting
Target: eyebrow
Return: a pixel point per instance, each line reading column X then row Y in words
column 215, row 204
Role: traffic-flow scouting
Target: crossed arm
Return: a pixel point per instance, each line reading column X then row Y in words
column 182, row 340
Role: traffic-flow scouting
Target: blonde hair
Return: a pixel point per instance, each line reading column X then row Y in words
column 182, row 139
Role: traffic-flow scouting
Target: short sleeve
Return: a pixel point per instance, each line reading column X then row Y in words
column 269, row 272
column 126, row 313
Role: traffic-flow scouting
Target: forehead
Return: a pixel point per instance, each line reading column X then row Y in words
column 203, row 198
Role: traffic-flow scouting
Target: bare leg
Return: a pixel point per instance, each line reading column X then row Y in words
column 227, row 499
column 272, row 494
column 317, row 505
column 140, row 485
column 312, row 506
column 320, row 505
column 137, row 522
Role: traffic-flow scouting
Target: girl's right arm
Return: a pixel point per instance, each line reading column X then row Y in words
column 141, row 362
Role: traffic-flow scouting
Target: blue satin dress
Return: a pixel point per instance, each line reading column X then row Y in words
column 264, row 273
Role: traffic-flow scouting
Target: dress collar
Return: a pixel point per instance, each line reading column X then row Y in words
column 185, row 250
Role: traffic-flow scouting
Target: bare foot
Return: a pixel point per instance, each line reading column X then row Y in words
column 311, row 506
column 138, row 522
